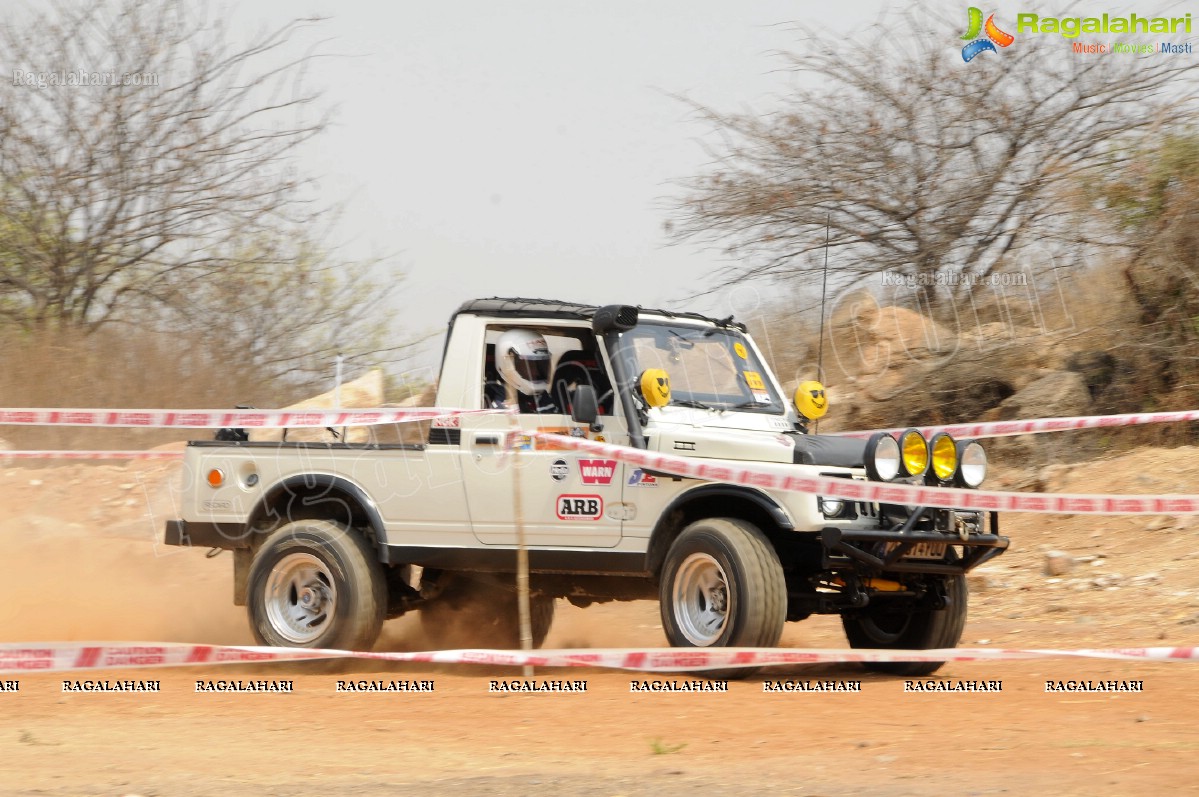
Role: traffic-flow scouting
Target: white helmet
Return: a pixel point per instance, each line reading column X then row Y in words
column 523, row 361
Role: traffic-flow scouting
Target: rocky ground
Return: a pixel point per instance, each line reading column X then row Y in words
column 84, row 563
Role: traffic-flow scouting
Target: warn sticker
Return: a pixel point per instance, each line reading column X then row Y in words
column 597, row 471
column 580, row 507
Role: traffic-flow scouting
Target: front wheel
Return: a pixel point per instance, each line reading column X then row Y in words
column 722, row 586
column 316, row 584
column 907, row 628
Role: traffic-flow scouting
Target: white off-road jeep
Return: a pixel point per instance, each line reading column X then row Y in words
column 331, row 539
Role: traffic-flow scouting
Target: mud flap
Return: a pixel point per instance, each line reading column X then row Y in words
column 242, row 557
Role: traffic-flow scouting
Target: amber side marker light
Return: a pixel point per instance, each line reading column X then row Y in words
column 216, row 477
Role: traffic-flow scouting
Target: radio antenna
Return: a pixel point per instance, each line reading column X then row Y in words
column 823, row 293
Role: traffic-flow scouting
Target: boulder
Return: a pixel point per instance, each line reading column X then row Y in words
column 414, row 432
column 365, row 392
column 1058, row 563
column 868, row 339
column 1059, row 393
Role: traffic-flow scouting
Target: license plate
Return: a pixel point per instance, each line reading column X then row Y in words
column 927, row 550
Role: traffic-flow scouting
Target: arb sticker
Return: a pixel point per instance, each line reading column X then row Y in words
column 597, row 471
column 580, row 507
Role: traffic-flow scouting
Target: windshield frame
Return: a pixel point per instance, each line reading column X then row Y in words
column 743, row 365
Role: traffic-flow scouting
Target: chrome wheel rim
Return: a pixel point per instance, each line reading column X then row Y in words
column 301, row 600
column 701, row 599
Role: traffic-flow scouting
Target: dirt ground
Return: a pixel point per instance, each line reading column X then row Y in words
column 84, row 563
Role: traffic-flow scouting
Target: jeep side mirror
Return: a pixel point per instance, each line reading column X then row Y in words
column 584, row 407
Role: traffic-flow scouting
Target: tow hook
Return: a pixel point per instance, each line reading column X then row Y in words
column 852, row 594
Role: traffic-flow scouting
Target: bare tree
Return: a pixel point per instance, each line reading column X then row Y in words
column 148, row 176
column 288, row 309
column 134, row 141
column 918, row 163
column 1144, row 205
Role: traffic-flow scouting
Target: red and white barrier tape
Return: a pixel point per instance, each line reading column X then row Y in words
column 776, row 476
column 278, row 419
column 89, row 455
column 216, row 419
column 780, row 476
column 1037, row 425
column 67, row 656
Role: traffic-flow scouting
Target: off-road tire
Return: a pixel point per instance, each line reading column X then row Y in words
column 330, row 566
column 883, row 627
column 722, row 586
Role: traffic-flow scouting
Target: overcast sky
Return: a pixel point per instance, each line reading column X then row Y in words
column 528, row 148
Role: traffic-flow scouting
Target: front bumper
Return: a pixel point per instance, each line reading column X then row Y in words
column 887, row 551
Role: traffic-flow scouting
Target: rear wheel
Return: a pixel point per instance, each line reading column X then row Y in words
column 478, row 612
column 907, row 628
column 316, row 584
column 722, row 586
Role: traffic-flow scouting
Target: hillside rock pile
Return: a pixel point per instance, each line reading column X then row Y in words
column 892, row 366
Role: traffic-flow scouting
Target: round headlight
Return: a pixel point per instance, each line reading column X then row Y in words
column 882, row 457
column 972, row 463
column 944, row 456
column 914, row 450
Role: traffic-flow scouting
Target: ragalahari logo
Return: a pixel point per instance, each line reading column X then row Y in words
column 979, row 44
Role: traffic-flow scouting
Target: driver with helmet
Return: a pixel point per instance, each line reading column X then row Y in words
column 523, row 362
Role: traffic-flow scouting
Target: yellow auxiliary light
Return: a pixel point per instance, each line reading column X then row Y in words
column 944, row 456
column 810, row 400
column 914, row 449
column 655, row 387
